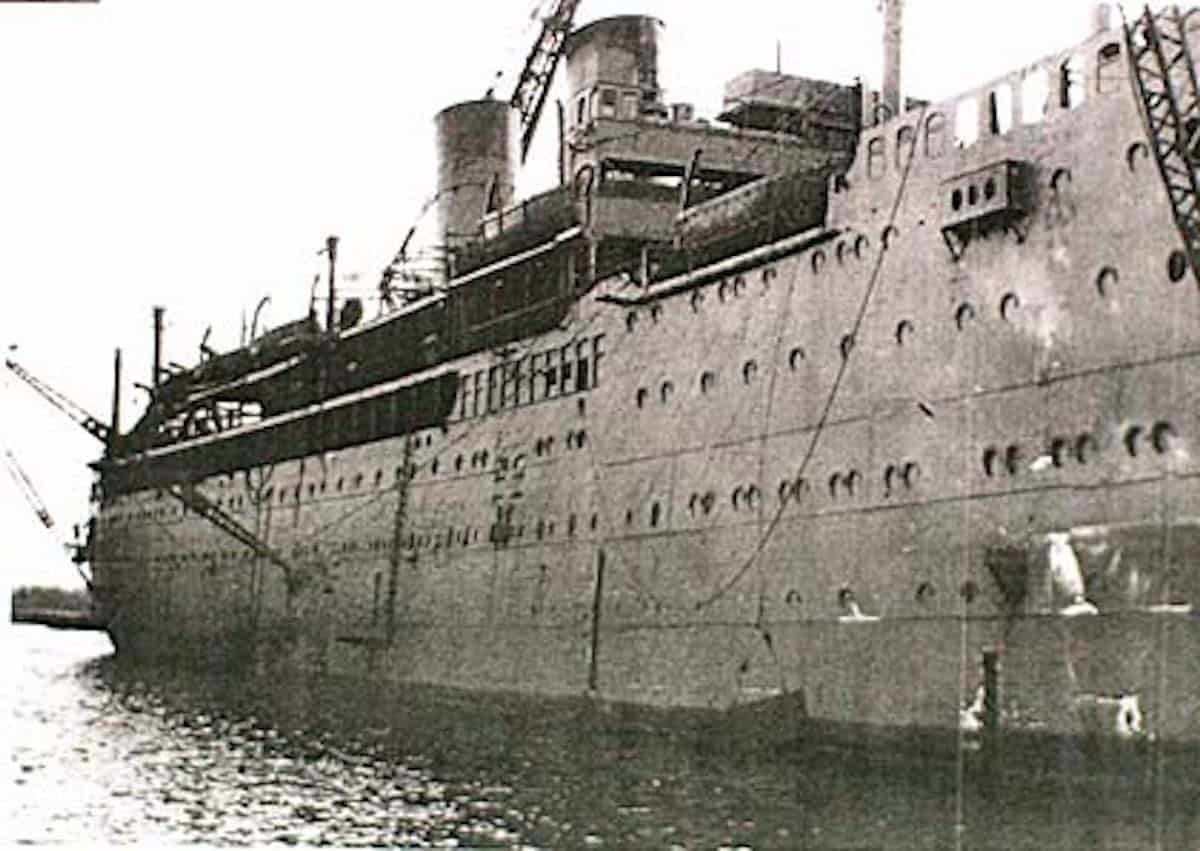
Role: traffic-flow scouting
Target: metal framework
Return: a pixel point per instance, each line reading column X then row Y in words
column 81, row 417
column 533, row 86
column 1164, row 77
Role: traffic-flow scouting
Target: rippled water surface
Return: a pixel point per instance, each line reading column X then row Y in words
column 104, row 754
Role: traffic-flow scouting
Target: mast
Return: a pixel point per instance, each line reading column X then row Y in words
column 114, row 427
column 331, row 244
column 158, row 335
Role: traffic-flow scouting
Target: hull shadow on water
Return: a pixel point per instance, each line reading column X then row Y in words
column 253, row 759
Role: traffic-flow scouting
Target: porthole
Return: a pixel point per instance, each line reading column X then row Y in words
column 889, row 475
column 749, row 371
column 990, row 456
column 1135, row 153
column 739, row 285
column 655, row 312
column 834, row 482
column 860, row 246
column 723, row 291
column 925, row 592
column 1176, row 266
column 852, row 481
column 911, row 474
column 969, row 591
column 708, row 502
column 888, row 236
column 1160, row 437
column 842, row 248
column 1012, row 459
column 1132, row 436
column 736, row 497
column 989, row 189
column 964, row 314
column 1058, row 449
column 795, row 357
column 1085, row 448
column 708, row 380
column 642, row 393
column 1106, row 281
column 666, row 391
column 1060, row 179
column 846, row 346
column 785, row 491
column 1008, row 305
column 818, row 261
column 904, row 331
column 697, row 300
column 956, row 200
column 630, row 321
column 769, row 274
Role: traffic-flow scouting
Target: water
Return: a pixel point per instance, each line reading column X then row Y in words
column 104, row 754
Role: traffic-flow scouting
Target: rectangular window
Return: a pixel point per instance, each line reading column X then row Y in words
column 551, row 376
column 629, row 105
column 597, row 354
column 464, row 396
column 608, row 103
column 493, row 391
column 565, row 366
column 477, row 397
column 511, row 382
column 582, row 374
column 534, row 377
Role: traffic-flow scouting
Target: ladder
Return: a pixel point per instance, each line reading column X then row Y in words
column 1164, row 77
column 210, row 511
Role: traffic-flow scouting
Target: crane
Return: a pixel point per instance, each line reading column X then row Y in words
column 81, row 417
column 25, row 486
column 533, row 86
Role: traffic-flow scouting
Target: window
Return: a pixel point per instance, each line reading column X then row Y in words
column 1071, row 87
column 906, row 139
column 966, row 123
column 1035, row 90
column 493, row 391
column 608, row 103
column 566, row 363
column 1109, row 77
column 581, row 109
column 629, row 105
column 597, row 354
column 876, row 157
column 935, row 135
column 582, row 375
column 1000, row 109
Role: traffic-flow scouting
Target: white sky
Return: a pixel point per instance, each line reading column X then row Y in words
column 196, row 154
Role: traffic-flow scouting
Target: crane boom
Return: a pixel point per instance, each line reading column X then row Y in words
column 533, row 86
column 81, row 417
column 25, row 486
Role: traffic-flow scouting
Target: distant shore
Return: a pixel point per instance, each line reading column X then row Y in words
column 59, row 608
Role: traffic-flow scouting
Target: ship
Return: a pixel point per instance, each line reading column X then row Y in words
column 844, row 409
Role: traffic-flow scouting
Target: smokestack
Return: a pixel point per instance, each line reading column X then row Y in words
column 1101, row 18
column 893, row 26
column 158, row 335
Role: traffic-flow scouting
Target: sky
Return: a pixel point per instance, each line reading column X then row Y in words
column 196, row 155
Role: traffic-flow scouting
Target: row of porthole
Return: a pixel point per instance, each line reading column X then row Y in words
column 1082, row 448
column 727, row 289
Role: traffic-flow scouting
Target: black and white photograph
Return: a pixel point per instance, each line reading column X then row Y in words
column 582, row 424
